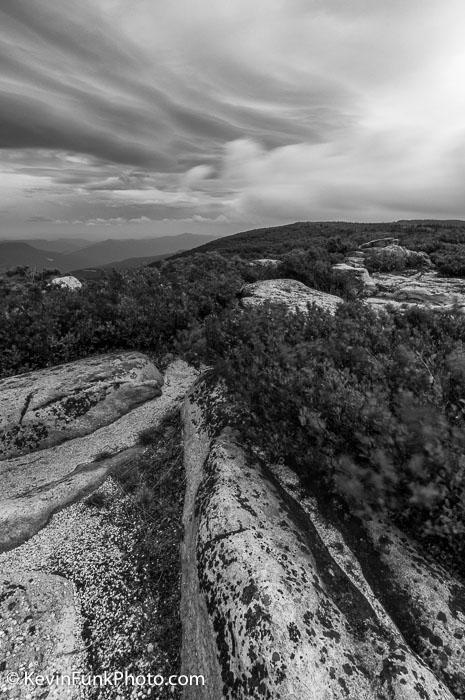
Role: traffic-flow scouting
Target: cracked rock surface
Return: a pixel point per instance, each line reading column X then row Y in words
column 47, row 407
column 283, row 603
column 36, row 485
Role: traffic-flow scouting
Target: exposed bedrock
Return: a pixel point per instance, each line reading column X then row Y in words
column 279, row 603
column 49, row 406
column 293, row 294
column 36, row 485
column 41, row 635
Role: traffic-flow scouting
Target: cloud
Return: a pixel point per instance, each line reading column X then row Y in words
column 239, row 112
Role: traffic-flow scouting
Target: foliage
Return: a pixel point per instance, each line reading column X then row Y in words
column 150, row 309
column 450, row 261
column 370, row 408
column 367, row 407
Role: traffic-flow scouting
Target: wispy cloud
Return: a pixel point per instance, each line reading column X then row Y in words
column 230, row 114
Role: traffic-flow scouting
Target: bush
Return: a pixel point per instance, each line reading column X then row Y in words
column 450, row 261
column 369, row 408
column 148, row 309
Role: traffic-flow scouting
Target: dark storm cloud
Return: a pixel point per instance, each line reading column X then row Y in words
column 72, row 81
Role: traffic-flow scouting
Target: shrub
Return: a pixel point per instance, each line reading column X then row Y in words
column 367, row 407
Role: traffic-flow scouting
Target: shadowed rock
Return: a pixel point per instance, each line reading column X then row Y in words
column 355, row 276
column 47, row 407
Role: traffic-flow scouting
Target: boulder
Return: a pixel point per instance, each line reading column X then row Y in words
column 41, row 634
column 67, row 282
column 37, row 485
column 355, row 277
column 291, row 293
column 46, row 407
column 396, row 257
column 274, row 602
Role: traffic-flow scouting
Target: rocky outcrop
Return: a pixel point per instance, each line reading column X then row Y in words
column 395, row 257
column 67, row 282
column 280, row 602
column 266, row 262
column 401, row 288
column 41, row 635
column 427, row 289
column 418, row 595
column 354, row 276
column 291, row 293
column 44, row 408
column 379, row 243
column 34, row 486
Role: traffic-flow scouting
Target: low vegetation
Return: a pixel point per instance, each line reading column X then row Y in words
column 368, row 408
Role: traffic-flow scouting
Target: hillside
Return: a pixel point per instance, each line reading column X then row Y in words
column 255, row 461
column 114, row 250
column 58, row 245
column 17, row 253
column 278, row 240
column 95, row 255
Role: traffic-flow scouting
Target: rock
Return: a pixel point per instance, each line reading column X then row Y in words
column 426, row 603
column 199, row 650
column 41, row 634
column 385, row 304
column 396, row 257
column 44, row 408
column 424, row 289
column 266, row 262
column 293, row 294
column 379, row 243
column 37, row 485
column 355, row 277
column 67, row 282
column 280, row 609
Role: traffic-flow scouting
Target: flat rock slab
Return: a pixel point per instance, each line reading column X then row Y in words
column 40, row 634
column 37, row 485
column 47, row 407
column 293, row 294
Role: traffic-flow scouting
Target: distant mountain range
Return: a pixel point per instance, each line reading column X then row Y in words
column 77, row 254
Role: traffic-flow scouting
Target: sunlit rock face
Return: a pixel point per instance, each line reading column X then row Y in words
column 291, row 293
column 67, row 282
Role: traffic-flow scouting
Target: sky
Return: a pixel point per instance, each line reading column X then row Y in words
column 131, row 118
